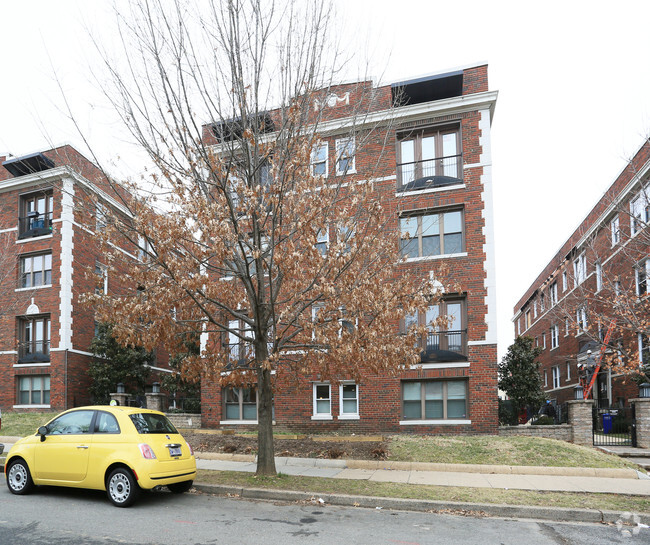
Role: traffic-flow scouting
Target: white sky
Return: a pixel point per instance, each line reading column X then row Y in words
column 574, row 98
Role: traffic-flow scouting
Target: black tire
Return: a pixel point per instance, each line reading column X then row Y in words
column 121, row 487
column 19, row 479
column 180, row 488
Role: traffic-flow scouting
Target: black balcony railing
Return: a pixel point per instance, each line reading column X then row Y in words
column 34, row 352
column 35, row 225
column 441, row 346
column 429, row 173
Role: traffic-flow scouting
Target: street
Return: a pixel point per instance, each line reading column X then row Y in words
column 79, row 517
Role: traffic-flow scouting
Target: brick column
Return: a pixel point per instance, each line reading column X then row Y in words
column 155, row 401
column 121, row 399
column 642, row 415
column 581, row 420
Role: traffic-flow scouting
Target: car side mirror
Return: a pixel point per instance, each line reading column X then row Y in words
column 42, row 431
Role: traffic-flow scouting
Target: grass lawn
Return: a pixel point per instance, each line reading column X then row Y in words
column 22, row 424
column 608, row 502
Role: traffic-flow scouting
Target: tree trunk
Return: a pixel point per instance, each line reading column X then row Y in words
column 265, row 454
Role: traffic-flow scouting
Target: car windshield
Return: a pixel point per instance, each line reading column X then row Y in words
column 152, row 423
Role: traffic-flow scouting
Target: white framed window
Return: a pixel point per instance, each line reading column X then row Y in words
column 527, row 319
column 240, row 403
column 579, row 270
column 568, row 371
column 541, row 301
column 346, row 156
column 642, row 272
column 322, row 401
column 101, row 272
column 315, row 310
column 349, row 401
column 434, row 233
column 615, row 229
column 34, row 390
column 567, row 326
column 535, row 308
column 101, row 217
column 544, row 341
column 36, row 270
column 565, row 281
column 556, row 376
column 581, row 319
column 599, row 276
column 640, row 211
column 319, row 162
column 555, row 336
column 545, row 378
column 552, row 293
column 323, row 240
column 434, row 400
column 644, row 349
column 617, row 287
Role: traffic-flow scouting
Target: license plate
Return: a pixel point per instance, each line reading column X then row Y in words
column 174, row 451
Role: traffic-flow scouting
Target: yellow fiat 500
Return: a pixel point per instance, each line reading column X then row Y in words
column 118, row 449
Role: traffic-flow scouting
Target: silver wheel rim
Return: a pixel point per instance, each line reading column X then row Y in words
column 17, row 477
column 119, row 487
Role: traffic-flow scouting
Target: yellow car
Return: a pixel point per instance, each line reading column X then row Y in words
column 118, row 449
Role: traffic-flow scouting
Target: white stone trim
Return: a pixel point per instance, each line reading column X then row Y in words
column 433, row 257
column 238, row 422
column 5, row 352
column 32, row 407
column 439, row 422
column 67, row 256
column 20, row 365
column 34, row 288
column 32, row 239
column 324, row 417
column 451, row 365
column 488, row 226
column 402, row 194
column 2, row 231
column 72, row 351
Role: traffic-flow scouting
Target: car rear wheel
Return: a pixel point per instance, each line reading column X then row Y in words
column 121, row 487
column 179, row 488
column 19, row 479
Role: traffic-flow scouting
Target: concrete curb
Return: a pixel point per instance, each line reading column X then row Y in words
column 617, row 473
column 451, row 508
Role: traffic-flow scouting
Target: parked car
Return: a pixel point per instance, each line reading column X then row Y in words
column 121, row 450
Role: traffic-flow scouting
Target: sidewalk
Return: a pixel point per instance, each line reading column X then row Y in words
column 593, row 480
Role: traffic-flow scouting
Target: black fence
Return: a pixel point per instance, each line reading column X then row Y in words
column 614, row 427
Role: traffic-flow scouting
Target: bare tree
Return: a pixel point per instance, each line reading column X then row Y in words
column 11, row 299
column 234, row 234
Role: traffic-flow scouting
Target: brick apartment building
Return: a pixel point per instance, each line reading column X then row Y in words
column 51, row 204
column 598, row 275
column 437, row 178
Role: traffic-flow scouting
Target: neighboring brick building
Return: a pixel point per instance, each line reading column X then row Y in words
column 50, row 205
column 436, row 173
column 599, row 274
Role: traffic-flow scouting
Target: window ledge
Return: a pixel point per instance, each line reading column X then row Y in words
column 32, row 407
column 238, row 422
column 400, row 194
column 434, row 257
column 458, row 422
column 349, row 417
column 450, row 365
column 22, row 241
column 34, row 288
column 42, row 364
column 322, row 417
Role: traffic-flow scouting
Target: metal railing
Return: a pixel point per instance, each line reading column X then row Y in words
column 451, row 341
column 33, row 351
column 440, row 166
column 33, row 226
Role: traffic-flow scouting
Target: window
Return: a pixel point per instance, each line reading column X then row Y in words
column 565, row 280
column 535, row 308
column 101, row 272
column 36, row 214
column 322, row 240
column 579, row 270
column 617, row 287
column 599, row 276
column 528, row 320
column 36, row 270
column 581, row 319
column 34, row 390
column 432, row 234
column 544, row 341
column 74, row 423
column 615, row 230
column 555, row 336
column 434, row 400
column 447, row 337
column 567, row 327
column 545, row 378
column 640, row 211
column 349, row 401
column 428, row 154
column 240, row 403
column 568, row 371
column 345, row 156
column 319, row 166
column 644, row 349
column 556, row 376
column 235, row 346
column 34, row 334
column 101, row 217
column 322, row 402
column 106, row 423
column 642, row 272
column 552, row 293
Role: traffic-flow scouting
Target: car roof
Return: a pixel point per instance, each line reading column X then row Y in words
column 115, row 409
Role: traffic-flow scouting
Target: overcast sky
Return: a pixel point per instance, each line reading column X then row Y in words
column 574, row 98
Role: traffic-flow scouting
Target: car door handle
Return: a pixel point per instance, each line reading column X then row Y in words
column 82, row 446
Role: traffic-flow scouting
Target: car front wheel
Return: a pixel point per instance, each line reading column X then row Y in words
column 19, row 479
column 179, row 488
column 121, row 487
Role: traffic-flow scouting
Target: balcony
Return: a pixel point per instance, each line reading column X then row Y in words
column 444, row 346
column 34, row 352
column 35, row 225
column 430, row 173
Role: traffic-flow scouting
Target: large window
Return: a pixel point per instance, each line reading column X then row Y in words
column 615, row 229
column 434, row 400
column 579, row 270
column 34, row 334
column 36, row 270
column 34, row 390
column 644, row 349
column 642, row 273
column 552, row 293
column 640, row 211
column 345, row 156
column 36, row 214
column 439, row 233
column 555, row 336
column 556, row 376
column 322, row 395
column 348, row 401
column 240, row 403
column 319, row 166
column 422, row 156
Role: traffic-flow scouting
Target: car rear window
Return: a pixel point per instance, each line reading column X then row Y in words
column 152, row 423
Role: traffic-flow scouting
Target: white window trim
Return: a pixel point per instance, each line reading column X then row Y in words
column 568, row 371
column 599, row 276
column 313, row 162
column 556, row 376
column 32, row 406
column 545, row 378
column 339, row 143
column 347, row 416
column 615, row 228
column 555, row 329
column 34, row 288
column 458, row 422
column 321, row 416
column 565, row 281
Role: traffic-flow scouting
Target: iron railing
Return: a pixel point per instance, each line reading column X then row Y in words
column 451, row 341
column 33, row 226
column 614, row 426
column 449, row 167
column 34, row 351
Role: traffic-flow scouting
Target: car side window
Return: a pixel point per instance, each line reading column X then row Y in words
column 106, row 423
column 76, row 422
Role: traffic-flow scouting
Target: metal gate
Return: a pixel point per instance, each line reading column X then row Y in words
column 614, row 427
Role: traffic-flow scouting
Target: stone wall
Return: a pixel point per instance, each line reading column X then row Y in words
column 185, row 420
column 563, row 432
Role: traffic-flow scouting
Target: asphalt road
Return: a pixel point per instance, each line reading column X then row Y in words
column 75, row 517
